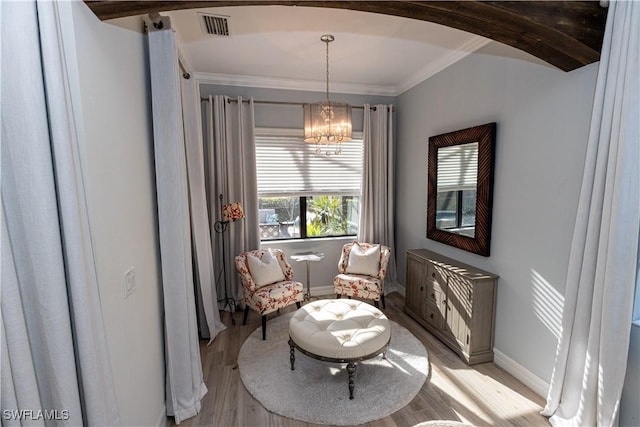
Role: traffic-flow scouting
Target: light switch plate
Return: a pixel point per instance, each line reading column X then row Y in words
column 129, row 282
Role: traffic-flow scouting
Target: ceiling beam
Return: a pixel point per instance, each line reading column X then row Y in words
column 566, row 34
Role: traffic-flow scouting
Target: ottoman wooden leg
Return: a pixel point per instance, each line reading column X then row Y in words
column 351, row 370
column 292, row 354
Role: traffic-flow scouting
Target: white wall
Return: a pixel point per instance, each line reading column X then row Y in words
column 543, row 118
column 118, row 165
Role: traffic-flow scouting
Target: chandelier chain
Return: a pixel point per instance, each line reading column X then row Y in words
column 327, row 57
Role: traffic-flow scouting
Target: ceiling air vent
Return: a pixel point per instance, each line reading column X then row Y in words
column 215, row 25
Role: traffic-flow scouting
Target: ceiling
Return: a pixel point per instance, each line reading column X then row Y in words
column 373, row 53
column 281, row 46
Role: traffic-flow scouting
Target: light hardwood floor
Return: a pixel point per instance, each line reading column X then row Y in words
column 482, row 395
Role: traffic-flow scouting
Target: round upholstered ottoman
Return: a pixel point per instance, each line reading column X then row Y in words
column 339, row 331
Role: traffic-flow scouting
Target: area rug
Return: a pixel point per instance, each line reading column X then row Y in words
column 317, row 392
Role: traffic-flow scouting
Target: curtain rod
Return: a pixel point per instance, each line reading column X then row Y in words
column 299, row 104
column 185, row 73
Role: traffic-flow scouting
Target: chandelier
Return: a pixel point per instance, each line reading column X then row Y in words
column 327, row 124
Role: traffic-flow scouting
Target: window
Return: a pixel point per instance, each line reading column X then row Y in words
column 302, row 194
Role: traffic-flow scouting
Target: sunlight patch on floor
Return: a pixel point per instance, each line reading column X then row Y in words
column 461, row 387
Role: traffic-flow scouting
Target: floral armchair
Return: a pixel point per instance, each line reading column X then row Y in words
column 267, row 297
column 362, row 269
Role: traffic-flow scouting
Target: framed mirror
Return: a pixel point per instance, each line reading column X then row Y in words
column 460, row 188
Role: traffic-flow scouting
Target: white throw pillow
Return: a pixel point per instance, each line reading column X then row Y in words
column 362, row 261
column 265, row 271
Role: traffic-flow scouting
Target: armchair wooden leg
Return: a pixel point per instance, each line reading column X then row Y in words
column 264, row 327
column 298, row 305
column 246, row 314
column 383, row 304
column 375, row 303
column 338, row 296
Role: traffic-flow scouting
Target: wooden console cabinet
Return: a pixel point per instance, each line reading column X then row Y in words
column 453, row 301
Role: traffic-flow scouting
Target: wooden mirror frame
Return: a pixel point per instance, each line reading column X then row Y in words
column 485, row 135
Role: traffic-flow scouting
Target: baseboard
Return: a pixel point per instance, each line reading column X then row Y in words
column 163, row 419
column 319, row 291
column 521, row 373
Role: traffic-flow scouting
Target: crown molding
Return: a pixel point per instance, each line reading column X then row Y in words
column 445, row 61
column 293, row 84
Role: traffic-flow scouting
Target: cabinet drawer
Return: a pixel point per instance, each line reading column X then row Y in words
column 434, row 293
column 433, row 316
column 435, row 286
column 434, row 274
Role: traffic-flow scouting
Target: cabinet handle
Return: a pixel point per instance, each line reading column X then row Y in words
column 433, row 295
column 431, row 315
column 421, row 288
column 433, row 274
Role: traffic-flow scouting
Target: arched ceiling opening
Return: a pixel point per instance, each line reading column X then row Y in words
column 565, row 34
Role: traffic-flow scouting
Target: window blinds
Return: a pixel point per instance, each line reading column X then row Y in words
column 458, row 167
column 286, row 165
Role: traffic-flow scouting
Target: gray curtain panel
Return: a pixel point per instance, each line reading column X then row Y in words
column 54, row 350
column 376, row 215
column 231, row 162
column 206, row 295
column 184, row 379
column 592, row 352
